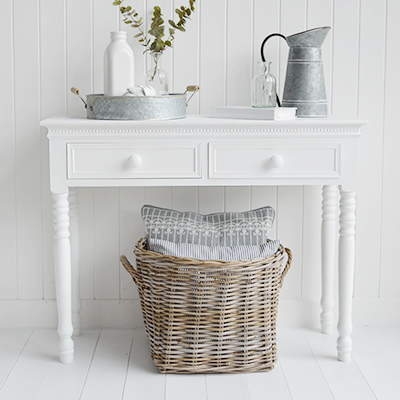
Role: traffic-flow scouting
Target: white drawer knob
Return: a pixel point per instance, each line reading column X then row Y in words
column 134, row 161
column 276, row 161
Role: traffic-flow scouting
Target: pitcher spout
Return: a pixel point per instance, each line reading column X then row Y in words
column 310, row 38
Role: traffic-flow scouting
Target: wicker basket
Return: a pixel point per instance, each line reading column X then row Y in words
column 209, row 316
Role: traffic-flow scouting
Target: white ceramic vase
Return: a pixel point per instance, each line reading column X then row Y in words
column 118, row 65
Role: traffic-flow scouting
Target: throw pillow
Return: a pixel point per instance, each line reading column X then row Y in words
column 220, row 229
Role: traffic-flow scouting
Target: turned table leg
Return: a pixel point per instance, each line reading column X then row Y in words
column 62, row 267
column 346, row 272
column 76, row 297
column 328, row 237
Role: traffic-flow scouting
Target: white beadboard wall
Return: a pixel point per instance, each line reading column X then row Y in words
column 47, row 46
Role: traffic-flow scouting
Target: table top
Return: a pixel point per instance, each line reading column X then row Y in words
column 199, row 123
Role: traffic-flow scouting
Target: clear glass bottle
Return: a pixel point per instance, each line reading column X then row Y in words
column 119, row 65
column 156, row 76
column 263, row 87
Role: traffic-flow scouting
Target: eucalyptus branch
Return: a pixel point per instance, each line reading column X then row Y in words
column 158, row 45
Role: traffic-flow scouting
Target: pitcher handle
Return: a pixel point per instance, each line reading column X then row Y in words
column 263, row 58
column 264, row 41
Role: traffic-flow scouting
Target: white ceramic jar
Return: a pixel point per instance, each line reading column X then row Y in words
column 118, row 65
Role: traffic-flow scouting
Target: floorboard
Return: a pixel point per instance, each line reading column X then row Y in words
column 108, row 370
column 345, row 380
column 12, row 343
column 268, row 385
column 376, row 365
column 26, row 378
column 112, row 364
column 143, row 381
column 66, row 381
column 300, row 367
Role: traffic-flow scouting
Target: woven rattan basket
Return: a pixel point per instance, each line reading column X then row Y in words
column 209, row 316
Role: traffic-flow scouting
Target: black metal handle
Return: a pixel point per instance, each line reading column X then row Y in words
column 265, row 40
column 263, row 57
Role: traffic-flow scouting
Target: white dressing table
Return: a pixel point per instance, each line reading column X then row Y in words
column 203, row 151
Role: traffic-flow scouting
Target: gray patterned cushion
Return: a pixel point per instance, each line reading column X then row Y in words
column 224, row 253
column 221, row 229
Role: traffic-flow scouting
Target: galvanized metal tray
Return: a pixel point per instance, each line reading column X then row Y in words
column 171, row 106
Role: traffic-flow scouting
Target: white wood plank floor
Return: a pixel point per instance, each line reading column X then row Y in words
column 115, row 364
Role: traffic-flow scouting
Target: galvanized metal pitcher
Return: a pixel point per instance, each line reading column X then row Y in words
column 304, row 82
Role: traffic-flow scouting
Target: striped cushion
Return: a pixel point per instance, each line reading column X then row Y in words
column 220, row 229
column 224, row 253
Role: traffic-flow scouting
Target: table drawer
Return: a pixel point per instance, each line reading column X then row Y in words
column 268, row 160
column 133, row 160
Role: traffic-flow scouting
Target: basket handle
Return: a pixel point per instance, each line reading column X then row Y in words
column 128, row 266
column 288, row 264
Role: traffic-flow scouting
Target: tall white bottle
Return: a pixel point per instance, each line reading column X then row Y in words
column 118, row 65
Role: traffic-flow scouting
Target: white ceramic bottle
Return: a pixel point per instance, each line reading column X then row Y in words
column 118, row 65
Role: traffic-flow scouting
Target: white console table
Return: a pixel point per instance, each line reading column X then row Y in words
column 203, row 151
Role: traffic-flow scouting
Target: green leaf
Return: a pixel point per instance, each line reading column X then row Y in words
column 117, row 2
column 138, row 34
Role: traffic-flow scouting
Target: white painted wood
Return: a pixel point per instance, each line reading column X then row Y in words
column 185, row 198
column 75, row 261
column 211, row 199
column 148, row 160
column 52, row 101
column 311, row 250
column 345, row 31
column 131, row 230
column 34, row 362
column 237, row 199
column 265, row 159
column 90, row 155
column 111, row 362
column 346, row 272
column 106, row 259
column 390, row 212
column 289, row 226
column 303, row 375
column 8, row 230
column 387, row 339
column 227, row 387
column 328, row 236
column 143, row 381
column 376, row 365
column 345, row 380
column 107, row 375
column 66, row 382
column 62, row 266
column 79, row 42
column 12, row 343
column 86, row 236
column 371, row 42
column 267, row 385
column 27, row 153
column 66, row 49
column 193, row 387
column 239, row 45
column 213, row 47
